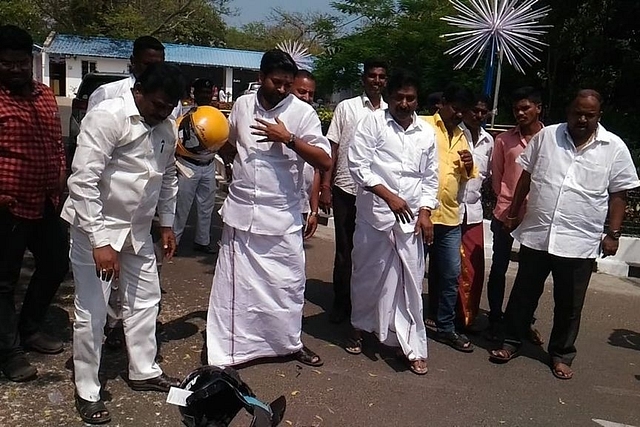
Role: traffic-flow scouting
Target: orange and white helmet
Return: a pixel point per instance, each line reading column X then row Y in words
column 203, row 130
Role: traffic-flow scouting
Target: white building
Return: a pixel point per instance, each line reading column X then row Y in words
column 64, row 59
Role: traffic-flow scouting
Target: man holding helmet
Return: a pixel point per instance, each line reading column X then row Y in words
column 201, row 132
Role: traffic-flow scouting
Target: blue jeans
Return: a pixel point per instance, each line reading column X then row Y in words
column 502, row 244
column 444, row 270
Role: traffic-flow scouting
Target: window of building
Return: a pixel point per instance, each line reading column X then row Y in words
column 88, row 67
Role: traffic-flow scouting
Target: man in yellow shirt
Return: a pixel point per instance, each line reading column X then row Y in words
column 455, row 168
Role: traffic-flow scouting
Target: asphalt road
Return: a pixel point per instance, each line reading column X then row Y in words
column 372, row 389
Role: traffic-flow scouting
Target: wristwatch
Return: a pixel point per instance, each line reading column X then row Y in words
column 292, row 141
column 614, row 234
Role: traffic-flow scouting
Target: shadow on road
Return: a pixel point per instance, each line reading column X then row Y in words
column 625, row 338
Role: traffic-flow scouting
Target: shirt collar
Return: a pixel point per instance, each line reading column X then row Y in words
column 601, row 135
column 286, row 101
column 130, row 107
column 35, row 91
column 366, row 102
column 416, row 124
column 483, row 136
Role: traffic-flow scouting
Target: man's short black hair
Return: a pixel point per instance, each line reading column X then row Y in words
column 460, row 95
column 371, row 63
column 276, row 59
column 165, row 77
column 526, row 92
column 15, row 38
column 304, row 74
column 434, row 98
column 401, row 78
column 484, row 98
column 146, row 42
column 202, row 84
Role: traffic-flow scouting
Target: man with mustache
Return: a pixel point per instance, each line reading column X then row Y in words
column 257, row 295
column 576, row 175
column 338, row 189
column 393, row 160
column 33, row 173
column 123, row 171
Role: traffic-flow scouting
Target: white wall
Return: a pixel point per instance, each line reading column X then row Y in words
column 103, row 65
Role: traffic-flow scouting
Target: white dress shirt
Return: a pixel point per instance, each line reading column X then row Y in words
column 472, row 190
column 265, row 193
column 122, row 169
column 342, row 130
column 569, row 193
column 404, row 161
column 117, row 89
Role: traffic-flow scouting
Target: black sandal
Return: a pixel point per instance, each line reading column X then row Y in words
column 308, row 357
column 88, row 410
column 353, row 345
column 455, row 340
column 504, row 354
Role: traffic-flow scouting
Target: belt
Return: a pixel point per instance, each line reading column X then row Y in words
column 196, row 162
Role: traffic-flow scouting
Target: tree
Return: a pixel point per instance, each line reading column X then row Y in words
column 406, row 33
column 24, row 14
column 179, row 21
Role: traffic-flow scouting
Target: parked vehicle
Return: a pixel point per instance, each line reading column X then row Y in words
column 90, row 82
column 252, row 88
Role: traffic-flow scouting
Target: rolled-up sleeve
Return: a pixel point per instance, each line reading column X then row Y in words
column 362, row 151
column 99, row 135
column 429, row 196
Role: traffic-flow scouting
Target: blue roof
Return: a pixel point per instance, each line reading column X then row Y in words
column 103, row 47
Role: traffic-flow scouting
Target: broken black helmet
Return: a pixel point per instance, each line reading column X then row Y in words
column 219, row 394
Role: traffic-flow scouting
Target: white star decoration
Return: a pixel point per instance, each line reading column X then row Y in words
column 298, row 52
column 509, row 27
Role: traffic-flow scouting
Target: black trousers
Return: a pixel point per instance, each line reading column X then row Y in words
column 344, row 217
column 570, row 282
column 47, row 240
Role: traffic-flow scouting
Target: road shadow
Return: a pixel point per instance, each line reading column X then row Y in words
column 625, row 338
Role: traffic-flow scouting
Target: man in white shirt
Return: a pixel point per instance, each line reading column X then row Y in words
column 472, row 252
column 393, row 161
column 338, row 189
column 197, row 181
column 257, row 296
column 123, row 171
column 147, row 50
column 304, row 88
column 574, row 173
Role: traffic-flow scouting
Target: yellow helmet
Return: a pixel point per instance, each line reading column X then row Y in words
column 208, row 125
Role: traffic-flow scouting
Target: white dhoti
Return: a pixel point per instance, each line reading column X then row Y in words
column 140, row 292
column 257, row 296
column 201, row 186
column 386, row 287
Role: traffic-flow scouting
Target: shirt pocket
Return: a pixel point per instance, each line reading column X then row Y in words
column 589, row 176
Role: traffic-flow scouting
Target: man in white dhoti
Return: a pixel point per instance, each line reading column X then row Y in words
column 393, row 161
column 255, row 309
column 123, row 170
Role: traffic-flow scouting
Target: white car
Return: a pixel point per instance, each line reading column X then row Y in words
column 253, row 88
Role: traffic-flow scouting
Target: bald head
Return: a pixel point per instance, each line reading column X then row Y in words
column 588, row 93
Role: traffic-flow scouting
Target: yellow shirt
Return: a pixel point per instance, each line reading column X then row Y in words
column 451, row 172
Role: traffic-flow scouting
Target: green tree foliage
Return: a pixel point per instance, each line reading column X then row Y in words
column 24, row 14
column 178, row 21
column 406, row 33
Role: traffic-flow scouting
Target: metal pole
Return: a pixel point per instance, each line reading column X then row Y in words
column 497, row 91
